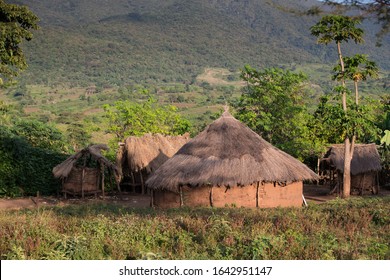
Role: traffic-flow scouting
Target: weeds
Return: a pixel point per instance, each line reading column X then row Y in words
column 356, row 228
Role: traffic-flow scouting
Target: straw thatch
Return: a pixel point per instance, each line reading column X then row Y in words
column 365, row 158
column 228, row 153
column 148, row 152
column 65, row 168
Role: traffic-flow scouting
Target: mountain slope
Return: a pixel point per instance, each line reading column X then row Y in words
column 108, row 42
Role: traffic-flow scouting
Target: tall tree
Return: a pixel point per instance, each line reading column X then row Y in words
column 338, row 29
column 16, row 23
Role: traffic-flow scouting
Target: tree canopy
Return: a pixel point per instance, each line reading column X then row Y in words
column 272, row 104
column 377, row 10
column 128, row 118
column 337, row 28
column 16, row 23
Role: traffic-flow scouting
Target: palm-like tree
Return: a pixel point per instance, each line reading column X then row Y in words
column 357, row 68
column 338, row 29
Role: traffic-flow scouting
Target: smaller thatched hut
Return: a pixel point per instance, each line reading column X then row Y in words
column 84, row 172
column 365, row 166
column 229, row 164
column 138, row 157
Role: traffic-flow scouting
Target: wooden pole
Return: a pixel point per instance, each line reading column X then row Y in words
column 133, row 181
column 257, row 194
column 331, row 178
column 82, row 177
column 377, row 182
column 318, row 170
column 98, row 181
column 62, row 186
column 102, row 169
column 142, row 182
column 211, row 196
column 362, row 183
column 151, row 198
column 82, row 182
column 341, row 183
column 181, row 196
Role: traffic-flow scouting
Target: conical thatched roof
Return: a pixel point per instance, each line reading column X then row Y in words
column 365, row 158
column 228, row 153
column 63, row 169
column 149, row 152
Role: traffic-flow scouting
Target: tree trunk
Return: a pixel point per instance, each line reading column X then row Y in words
column 348, row 148
column 356, row 93
column 348, row 155
column 347, row 169
column 344, row 98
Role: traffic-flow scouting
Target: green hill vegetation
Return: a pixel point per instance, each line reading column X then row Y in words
column 107, row 43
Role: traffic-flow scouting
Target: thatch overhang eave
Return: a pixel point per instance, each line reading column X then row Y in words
column 148, row 152
column 63, row 169
column 186, row 170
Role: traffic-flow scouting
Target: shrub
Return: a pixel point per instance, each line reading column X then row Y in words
column 24, row 169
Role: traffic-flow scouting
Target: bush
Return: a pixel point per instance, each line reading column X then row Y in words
column 24, row 169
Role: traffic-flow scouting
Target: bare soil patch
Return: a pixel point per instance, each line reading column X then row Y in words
column 215, row 76
column 125, row 200
column 312, row 193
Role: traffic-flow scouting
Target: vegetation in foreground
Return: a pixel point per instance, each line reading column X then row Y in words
column 357, row 228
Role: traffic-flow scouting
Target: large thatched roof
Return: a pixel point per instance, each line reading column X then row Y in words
column 148, row 152
column 63, row 169
column 228, row 153
column 365, row 158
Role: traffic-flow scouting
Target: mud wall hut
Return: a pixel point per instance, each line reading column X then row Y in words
column 84, row 172
column 365, row 165
column 228, row 164
column 138, row 157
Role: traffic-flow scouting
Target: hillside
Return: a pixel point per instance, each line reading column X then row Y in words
column 119, row 42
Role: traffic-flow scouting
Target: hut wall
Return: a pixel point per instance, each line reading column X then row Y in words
column 235, row 197
column 73, row 183
column 274, row 196
column 268, row 196
column 166, row 199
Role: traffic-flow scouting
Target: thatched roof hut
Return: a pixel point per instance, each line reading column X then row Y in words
column 228, row 154
column 140, row 156
column 365, row 158
column 78, row 178
column 365, row 164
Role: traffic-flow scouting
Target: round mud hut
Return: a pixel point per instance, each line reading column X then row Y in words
column 228, row 164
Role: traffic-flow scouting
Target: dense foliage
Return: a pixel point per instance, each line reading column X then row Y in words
column 26, row 167
column 357, row 228
column 273, row 104
column 331, row 123
column 15, row 24
column 128, row 118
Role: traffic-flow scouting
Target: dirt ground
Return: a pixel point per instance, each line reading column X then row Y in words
column 312, row 193
column 128, row 200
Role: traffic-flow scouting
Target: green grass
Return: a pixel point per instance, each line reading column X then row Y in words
column 357, row 228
